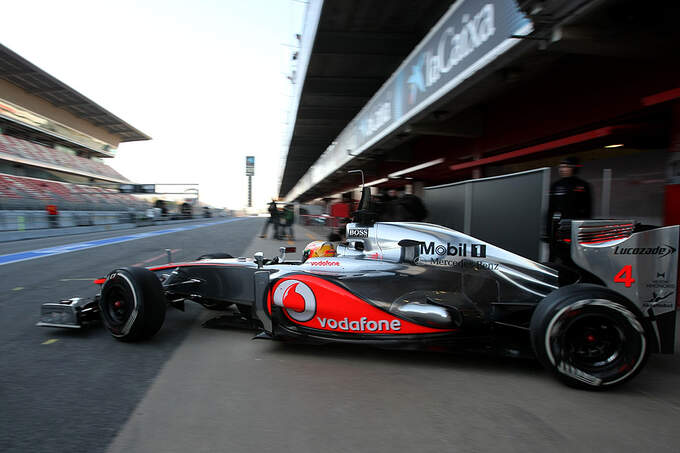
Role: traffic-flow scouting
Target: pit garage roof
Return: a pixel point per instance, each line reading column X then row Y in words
column 357, row 46
column 27, row 76
column 569, row 38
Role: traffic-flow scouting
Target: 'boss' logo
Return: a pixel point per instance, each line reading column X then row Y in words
column 357, row 233
column 297, row 299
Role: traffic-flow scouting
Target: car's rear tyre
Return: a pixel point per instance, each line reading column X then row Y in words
column 132, row 304
column 589, row 336
column 214, row 256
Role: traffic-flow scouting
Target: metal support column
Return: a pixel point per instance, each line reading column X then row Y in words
column 250, row 191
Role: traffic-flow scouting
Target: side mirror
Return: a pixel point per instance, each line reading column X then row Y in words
column 259, row 259
column 409, row 243
column 410, row 250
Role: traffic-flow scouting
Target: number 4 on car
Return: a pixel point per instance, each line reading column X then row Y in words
column 625, row 276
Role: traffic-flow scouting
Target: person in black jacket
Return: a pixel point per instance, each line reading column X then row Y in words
column 570, row 198
column 274, row 219
column 414, row 207
column 401, row 207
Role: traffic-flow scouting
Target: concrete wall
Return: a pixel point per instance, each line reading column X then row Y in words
column 33, row 220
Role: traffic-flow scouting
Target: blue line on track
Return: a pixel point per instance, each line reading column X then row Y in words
column 67, row 248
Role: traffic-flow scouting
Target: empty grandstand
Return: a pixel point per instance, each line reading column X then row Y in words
column 17, row 192
column 53, row 145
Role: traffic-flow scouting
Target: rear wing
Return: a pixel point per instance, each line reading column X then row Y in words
column 639, row 263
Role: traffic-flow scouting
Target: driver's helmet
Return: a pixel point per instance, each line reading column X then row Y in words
column 318, row 249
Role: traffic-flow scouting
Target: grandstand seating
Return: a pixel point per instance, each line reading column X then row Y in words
column 43, row 154
column 18, row 192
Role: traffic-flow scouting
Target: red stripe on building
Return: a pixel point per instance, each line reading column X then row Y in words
column 578, row 138
column 658, row 98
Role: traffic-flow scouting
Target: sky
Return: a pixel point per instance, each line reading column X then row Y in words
column 206, row 79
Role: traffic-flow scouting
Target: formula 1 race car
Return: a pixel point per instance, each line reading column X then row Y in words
column 592, row 319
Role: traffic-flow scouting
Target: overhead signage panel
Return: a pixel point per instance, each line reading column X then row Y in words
column 468, row 37
column 250, row 165
column 457, row 46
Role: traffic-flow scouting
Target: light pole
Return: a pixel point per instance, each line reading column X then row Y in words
column 250, row 191
column 250, row 172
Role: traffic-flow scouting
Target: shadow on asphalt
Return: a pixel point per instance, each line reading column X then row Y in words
column 658, row 379
column 176, row 323
column 425, row 359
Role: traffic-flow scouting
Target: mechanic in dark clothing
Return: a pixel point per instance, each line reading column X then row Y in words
column 570, row 195
column 274, row 219
column 414, row 207
column 390, row 210
column 570, row 198
column 402, row 207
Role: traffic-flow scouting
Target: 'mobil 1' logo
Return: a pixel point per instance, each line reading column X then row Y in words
column 462, row 250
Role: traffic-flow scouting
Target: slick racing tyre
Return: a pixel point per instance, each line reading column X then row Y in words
column 132, row 304
column 589, row 336
column 214, row 256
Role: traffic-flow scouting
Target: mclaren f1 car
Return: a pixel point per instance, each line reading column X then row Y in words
column 592, row 320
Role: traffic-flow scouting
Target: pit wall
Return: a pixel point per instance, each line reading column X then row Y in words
column 34, row 220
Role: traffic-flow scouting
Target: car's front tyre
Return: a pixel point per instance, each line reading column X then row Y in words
column 214, row 256
column 589, row 336
column 132, row 304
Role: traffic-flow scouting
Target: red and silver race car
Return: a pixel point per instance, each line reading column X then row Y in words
column 592, row 320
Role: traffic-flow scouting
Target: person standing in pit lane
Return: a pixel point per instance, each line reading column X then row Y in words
column 402, row 207
column 289, row 219
column 414, row 207
column 273, row 219
column 570, row 195
column 389, row 207
column 570, row 198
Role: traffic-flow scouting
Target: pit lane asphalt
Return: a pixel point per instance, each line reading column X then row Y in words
column 203, row 390
column 74, row 394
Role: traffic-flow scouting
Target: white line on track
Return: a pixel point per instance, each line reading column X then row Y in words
column 77, row 246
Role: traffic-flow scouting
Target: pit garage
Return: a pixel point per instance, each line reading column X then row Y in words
column 455, row 91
